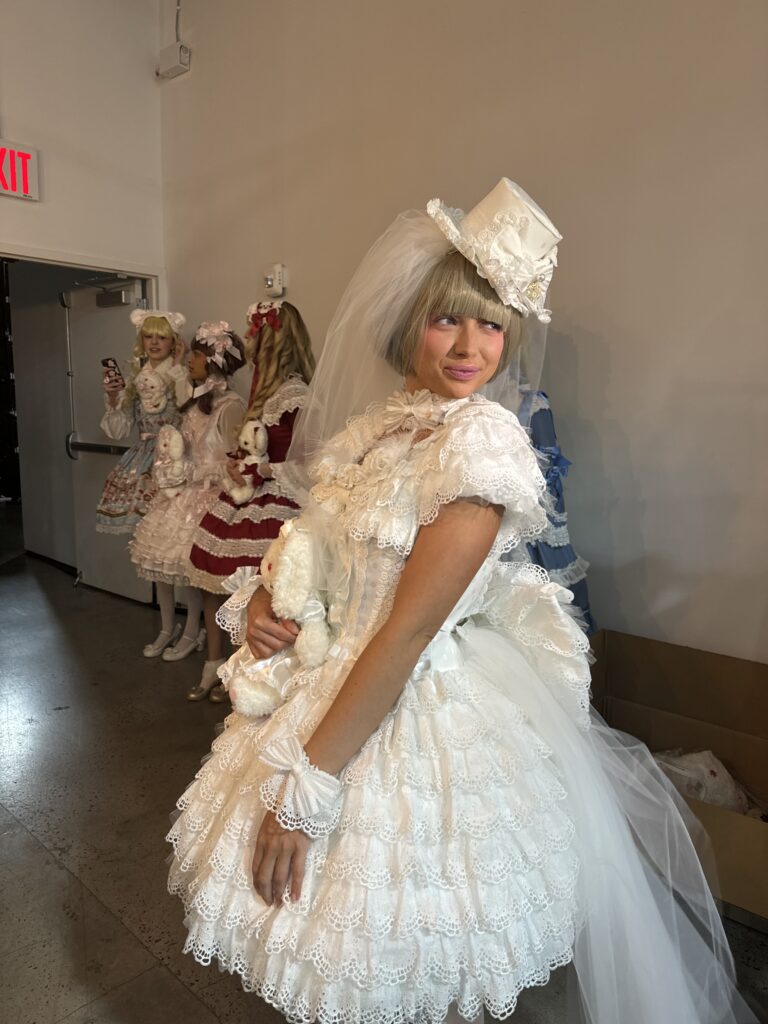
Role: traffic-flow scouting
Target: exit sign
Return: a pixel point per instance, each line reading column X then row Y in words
column 18, row 170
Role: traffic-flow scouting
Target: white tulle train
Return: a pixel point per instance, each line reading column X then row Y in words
column 650, row 948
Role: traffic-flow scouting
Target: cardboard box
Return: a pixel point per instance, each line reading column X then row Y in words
column 670, row 696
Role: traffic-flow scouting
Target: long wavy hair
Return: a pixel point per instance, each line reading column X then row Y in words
column 276, row 354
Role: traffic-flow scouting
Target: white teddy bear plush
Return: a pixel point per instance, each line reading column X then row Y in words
column 289, row 570
column 169, row 469
column 253, row 440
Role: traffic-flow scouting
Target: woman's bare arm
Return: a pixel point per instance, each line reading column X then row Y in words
column 445, row 558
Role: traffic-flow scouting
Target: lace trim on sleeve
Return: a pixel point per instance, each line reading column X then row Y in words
column 231, row 616
column 289, row 396
column 480, row 452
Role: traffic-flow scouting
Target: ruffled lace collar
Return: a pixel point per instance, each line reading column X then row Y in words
column 161, row 370
column 381, row 435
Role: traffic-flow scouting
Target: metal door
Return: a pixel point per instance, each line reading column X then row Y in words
column 94, row 333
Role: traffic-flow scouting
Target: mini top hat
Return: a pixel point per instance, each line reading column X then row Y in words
column 511, row 242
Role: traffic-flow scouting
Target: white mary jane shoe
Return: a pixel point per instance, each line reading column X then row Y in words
column 208, row 680
column 185, row 647
column 163, row 640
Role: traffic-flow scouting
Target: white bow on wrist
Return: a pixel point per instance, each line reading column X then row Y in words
column 312, row 790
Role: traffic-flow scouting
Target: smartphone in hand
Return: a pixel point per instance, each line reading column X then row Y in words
column 112, row 374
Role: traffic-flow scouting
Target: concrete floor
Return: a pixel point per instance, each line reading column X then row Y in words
column 96, row 743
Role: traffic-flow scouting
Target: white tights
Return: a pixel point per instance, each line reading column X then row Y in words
column 194, row 601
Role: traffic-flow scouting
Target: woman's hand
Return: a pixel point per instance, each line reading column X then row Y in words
column 265, row 470
column 279, row 858
column 179, row 350
column 112, row 389
column 265, row 634
column 235, row 473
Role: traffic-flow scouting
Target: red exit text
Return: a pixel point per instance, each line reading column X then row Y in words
column 18, row 171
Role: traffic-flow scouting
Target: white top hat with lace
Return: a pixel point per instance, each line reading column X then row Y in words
column 511, row 242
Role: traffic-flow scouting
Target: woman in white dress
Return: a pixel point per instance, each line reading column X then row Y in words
column 432, row 819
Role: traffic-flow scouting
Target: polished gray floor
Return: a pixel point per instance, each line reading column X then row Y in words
column 96, row 743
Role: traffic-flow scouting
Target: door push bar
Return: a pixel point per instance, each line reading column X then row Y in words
column 73, row 446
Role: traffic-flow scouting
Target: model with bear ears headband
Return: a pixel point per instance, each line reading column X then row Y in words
column 251, row 508
column 155, row 387
column 161, row 544
column 433, row 818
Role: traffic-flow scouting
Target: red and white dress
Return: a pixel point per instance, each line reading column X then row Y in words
column 230, row 535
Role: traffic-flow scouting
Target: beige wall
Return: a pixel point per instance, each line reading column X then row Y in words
column 641, row 128
column 304, row 127
column 77, row 83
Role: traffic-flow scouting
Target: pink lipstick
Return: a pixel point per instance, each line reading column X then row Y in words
column 461, row 372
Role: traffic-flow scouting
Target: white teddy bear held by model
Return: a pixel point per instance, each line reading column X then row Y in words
column 290, row 572
column 253, row 440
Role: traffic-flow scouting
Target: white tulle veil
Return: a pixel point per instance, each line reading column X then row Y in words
column 352, row 370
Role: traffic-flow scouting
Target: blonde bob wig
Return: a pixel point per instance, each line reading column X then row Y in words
column 454, row 288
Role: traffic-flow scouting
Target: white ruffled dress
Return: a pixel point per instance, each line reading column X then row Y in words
column 488, row 831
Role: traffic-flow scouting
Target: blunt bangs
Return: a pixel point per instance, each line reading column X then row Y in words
column 458, row 290
column 454, row 288
column 157, row 325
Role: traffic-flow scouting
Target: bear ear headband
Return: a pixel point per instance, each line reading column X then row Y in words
column 261, row 313
column 176, row 320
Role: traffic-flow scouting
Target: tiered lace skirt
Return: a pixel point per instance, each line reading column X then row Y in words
column 451, row 876
column 163, row 539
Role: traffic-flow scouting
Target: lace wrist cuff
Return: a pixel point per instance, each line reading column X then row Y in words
column 299, row 795
column 232, row 616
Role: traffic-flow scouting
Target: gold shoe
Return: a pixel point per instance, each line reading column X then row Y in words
column 208, row 680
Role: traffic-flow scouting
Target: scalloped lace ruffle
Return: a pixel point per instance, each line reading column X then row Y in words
column 385, row 486
column 289, row 396
column 451, row 872
column 523, row 603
